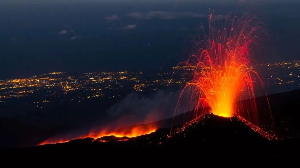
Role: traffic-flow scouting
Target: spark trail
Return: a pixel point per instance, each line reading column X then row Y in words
column 222, row 71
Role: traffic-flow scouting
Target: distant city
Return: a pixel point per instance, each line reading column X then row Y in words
column 56, row 86
column 282, row 73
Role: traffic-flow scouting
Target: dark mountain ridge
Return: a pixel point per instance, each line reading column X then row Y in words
column 210, row 136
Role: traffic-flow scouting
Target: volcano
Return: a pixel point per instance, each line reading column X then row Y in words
column 210, row 136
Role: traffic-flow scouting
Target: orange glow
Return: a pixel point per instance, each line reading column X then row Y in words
column 125, row 132
column 222, row 73
column 222, row 83
column 129, row 132
column 56, row 142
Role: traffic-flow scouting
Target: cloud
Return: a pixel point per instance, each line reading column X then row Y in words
column 164, row 15
column 112, row 18
column 63, row 32
column 135, row 15
column 132, row 26
column 74, row 37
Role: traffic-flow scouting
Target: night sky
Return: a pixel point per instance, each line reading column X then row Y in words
column 38, row 36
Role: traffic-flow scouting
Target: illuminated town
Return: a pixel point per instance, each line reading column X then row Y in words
column 78, row 87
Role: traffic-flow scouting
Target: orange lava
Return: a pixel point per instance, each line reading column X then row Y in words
column 129, row 132
column 222, row 83
column 222, row 71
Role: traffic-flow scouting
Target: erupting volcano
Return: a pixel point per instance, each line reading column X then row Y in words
column 222, row 71
column 223, row 78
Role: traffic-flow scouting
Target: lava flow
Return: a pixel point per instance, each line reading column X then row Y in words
column 128, row 132
column 222, row 72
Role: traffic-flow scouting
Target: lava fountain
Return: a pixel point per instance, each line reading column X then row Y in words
column 222, row 71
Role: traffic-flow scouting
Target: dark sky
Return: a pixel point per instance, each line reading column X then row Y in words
column 41, row 36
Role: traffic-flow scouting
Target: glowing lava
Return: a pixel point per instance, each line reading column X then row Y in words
column 222, row 83
column 129, row 132
column 222, row 73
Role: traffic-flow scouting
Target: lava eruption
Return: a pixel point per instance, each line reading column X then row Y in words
column 222, row 72
column 223, row 77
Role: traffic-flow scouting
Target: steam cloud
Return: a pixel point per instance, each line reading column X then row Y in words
column 150, row 108
column 134, row 109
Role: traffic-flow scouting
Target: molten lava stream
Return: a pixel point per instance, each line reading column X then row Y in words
column 129, row 132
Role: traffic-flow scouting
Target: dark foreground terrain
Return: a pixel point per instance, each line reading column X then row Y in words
column 207, row 138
